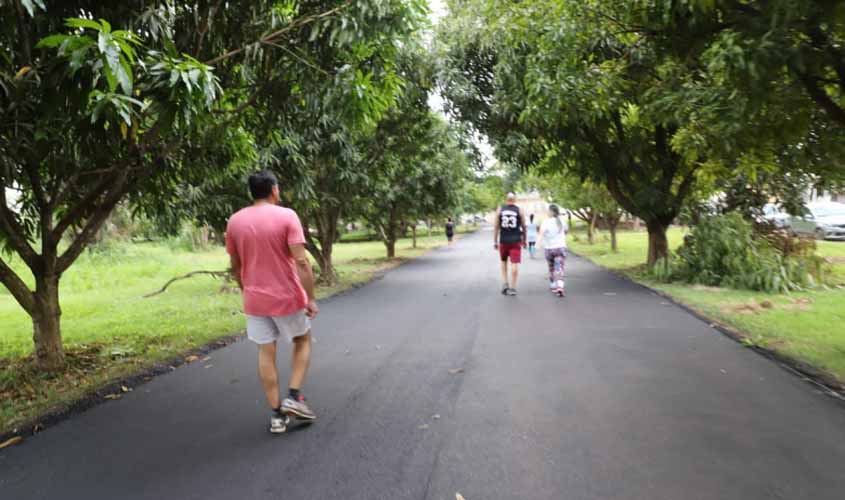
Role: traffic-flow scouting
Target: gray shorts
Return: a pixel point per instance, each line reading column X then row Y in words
column 267, row 329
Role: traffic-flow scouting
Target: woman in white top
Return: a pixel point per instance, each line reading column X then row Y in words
column 553, row 237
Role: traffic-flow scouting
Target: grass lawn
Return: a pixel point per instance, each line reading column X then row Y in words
column 110, row 331
column 806, row 326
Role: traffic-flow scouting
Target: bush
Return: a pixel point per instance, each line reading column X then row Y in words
column 729, row 251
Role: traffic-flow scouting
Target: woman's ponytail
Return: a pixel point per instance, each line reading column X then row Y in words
column 556, row 212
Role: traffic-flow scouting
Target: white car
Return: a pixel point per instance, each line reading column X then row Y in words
column 825, row 221
column 775, row 215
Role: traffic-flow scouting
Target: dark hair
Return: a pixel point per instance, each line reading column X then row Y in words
column 556, row 212
column 261, row 184
column 531, row 217
column 449, row 219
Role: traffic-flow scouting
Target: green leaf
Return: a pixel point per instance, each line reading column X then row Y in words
column 124, row 76
column 51, row 41
column 78, row 22
column 111, row 78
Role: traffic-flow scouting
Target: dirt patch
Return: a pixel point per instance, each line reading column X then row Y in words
column 705, row 288
column 746, row 308
column 802, row 304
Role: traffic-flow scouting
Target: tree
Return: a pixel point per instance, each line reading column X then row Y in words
column 562, row 86
column 586, row 200
column 419, row 174
column 760, row 48
column 93, row 115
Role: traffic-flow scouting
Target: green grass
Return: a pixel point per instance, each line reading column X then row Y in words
column 806, row 326
column 110, row 330
column 360, row 235
column 633, row 246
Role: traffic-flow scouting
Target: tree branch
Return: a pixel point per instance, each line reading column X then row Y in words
column 818, row 94
column 17, row 287
column 216, row 274
column 15, row 233
column 276, row 35
column 118, row 189
column 82, row 207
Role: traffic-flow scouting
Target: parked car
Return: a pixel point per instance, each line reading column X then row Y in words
column 825, row 221
column 775, row 215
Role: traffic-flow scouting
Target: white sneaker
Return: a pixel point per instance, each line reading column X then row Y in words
column 298, row 409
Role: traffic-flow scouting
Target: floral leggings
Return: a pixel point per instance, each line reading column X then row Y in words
column 556, row 258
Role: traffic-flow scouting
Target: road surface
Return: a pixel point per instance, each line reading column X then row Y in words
column 429, row 382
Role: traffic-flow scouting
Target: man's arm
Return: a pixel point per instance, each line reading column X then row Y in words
column 522, row 229
column 496, row 227
column 306, row 277
column 235, row 263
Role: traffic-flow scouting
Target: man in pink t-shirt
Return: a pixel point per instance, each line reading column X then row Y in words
column 267, row 247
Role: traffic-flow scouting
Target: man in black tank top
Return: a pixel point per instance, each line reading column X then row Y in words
column 509, row 239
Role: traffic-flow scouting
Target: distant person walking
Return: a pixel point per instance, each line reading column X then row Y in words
column 267, row 248
column 509, row 239
column 553, row 238
column 531, row 235
column 450, row 230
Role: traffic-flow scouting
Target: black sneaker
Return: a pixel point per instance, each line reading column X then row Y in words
column 278, row 422
column 511, row 292
column 505, row 288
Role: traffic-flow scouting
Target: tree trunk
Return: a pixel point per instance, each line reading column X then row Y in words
column 414, row 235
column 46, row 321
column 613, row 246
column 591, row 227
column 391, row 247
column 658, row 245
column 328, row 275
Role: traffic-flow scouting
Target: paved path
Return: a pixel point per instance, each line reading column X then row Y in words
column 608, row 394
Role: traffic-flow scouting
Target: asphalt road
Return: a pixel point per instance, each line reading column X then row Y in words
column 610, row 393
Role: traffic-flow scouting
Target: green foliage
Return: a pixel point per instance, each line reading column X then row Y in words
column 558, row 85
column 727, row 251
column 159, row 102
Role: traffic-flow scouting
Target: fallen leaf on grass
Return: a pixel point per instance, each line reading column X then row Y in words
column 455, row 371
column 191, row 358
column 112, row 396
column 11, row 442
column 125, row 389
column 206, row 358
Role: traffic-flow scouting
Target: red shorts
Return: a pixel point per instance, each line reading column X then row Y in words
column 512, row 251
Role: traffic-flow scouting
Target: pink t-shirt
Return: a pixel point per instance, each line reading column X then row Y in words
column 260, row 235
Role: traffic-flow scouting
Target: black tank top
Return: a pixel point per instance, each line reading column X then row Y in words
column 510, row 225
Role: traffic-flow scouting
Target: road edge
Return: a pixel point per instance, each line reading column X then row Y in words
column 821, row 380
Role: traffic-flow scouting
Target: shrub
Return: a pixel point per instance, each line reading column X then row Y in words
column 728, row 251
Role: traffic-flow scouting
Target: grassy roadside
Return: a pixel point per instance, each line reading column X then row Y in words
column 111, row 332
column 805, row 326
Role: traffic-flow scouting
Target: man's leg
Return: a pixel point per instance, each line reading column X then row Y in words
column 268, row 374
column 300, row 359
column 295, row 404
column 504, row 269
column 514, row 274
